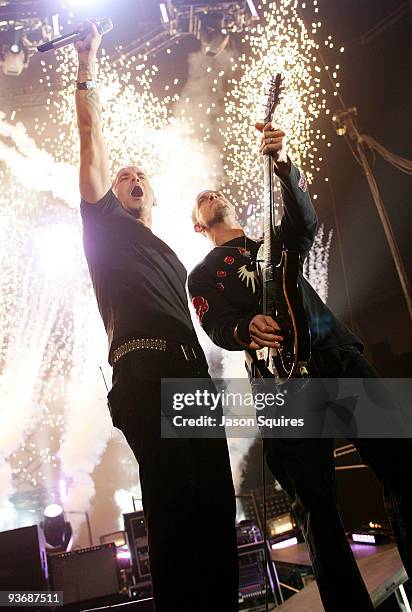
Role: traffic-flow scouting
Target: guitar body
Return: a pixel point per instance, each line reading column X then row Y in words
column 281, row 298
column 283, row 303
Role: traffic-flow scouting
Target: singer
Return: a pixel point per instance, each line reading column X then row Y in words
column 140, row 288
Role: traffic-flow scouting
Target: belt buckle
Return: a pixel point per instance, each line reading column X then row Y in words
column 189, row 352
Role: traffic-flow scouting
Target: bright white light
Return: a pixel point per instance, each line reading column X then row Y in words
column 285, row 543
column 15, row 48
column 363, row 538
column 57, row 248
column 124, row 554
column 56, row 25
column 63, row 491
column 164, row 13
column 53, row 510
column 252, row 8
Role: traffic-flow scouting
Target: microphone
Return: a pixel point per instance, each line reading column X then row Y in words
column 103, row 26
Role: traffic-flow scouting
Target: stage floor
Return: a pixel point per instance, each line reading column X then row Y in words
column 380, row 566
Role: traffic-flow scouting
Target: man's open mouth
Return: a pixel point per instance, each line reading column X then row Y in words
column 137, row 191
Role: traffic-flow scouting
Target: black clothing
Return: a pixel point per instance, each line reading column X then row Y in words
column 224, row 295
column 305, row 469
column 225, row 292
column 139, row 282
column 187, row 491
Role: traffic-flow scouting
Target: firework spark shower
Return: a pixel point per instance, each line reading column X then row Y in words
column 51, row 334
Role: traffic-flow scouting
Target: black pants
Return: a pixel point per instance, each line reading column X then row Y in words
column 187, row 490
column 305, row 469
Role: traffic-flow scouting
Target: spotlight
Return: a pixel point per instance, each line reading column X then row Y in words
column 13, row 60
column 14, row 51
column 342, row 120
column 164, row 13
column 57, row 532
column 53, row 510
column 252, row 9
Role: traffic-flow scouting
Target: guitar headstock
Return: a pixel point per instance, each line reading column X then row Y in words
column 272, row 94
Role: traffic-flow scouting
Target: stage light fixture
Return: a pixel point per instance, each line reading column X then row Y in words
column 56, row 25
column 53, row 510
column 57, row 531
column 164, row 13
column 14, row 51
column 213, row 36
column 252, row 8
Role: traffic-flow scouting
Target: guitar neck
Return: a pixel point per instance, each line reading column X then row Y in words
column 272, row 207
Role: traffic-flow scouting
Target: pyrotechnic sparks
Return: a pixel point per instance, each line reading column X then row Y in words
column 52, row 340
column 279, row 43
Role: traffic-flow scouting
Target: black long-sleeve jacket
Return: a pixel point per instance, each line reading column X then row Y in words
column 225, row 290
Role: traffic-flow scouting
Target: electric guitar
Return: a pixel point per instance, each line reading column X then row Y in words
column 280, row 295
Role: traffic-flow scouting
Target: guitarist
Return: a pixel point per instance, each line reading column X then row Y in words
column 226, row 296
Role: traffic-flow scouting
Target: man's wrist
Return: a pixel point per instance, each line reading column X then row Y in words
column 282, row 168
column 86, row 69
column 238, row 340
column 241, row 332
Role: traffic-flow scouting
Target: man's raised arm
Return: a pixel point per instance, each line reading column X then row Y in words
column 94, row 159
column 297, row 228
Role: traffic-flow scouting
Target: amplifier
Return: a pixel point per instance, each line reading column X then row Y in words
column 23, row 560
column 86, row 573
column 135, row 527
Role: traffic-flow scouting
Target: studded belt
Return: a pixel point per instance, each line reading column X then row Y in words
column 154, row 344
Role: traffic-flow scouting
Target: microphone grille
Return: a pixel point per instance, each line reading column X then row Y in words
column 104, row 25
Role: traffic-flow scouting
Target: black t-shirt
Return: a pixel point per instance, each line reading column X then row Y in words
column 139, row 282
column 225, row 292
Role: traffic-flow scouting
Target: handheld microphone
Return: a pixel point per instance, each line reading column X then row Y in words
column 103, row 26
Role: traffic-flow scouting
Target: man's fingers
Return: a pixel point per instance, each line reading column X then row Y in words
column 267, row 337
column 272, row 322
column 259, row 126
column 262, row 343
column 275, row 133
column 264, row 326
column 266, row 334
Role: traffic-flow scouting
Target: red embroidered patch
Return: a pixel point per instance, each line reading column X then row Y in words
column 229, row 260
column 221, row 273
column 220, row 287
column 201, row 306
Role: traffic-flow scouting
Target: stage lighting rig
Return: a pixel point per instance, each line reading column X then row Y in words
column 15, row 50
column 211, row 23
column 23, row 26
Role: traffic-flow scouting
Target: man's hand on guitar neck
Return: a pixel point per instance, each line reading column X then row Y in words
column 273, row 143
column 263, row 331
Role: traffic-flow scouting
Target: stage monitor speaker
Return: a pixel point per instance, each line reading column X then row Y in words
column 23, row 560
column 359, row 495
column 86, row 573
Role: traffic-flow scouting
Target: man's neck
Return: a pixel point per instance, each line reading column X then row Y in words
column 223, row 233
